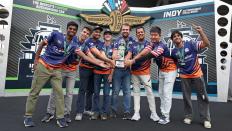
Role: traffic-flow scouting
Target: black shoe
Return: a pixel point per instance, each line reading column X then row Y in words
column 126, row 116
column 28, row 121
column 62, row 123
column 104, row 116
column 67, row 118
column 113, row 114
column 95, row 116
column 48, row 117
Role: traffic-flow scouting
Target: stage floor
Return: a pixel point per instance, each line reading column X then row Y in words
column 12, row 111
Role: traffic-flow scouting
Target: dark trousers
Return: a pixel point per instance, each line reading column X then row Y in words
column 86, row 90
column 202, row 97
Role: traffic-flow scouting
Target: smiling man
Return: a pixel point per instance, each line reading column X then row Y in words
column 61, row 49
column 141, row 75
column 121, row 75
column 69, row 74
column 185, row 55
column 86, row 88
column 167, row 72
column 48, row 67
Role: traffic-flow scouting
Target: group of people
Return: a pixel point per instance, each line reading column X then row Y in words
column 122, row 62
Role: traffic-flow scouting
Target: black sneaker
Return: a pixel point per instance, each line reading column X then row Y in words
column 113, row 114
column 28, row 121
column 104, row 116
column 95, row 116
column 48, row 117
column 62, row 123
column 126, row 116
column 67, row 118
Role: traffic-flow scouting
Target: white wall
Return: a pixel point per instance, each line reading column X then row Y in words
column 5, row 31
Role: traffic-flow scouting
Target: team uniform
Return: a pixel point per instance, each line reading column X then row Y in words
column 191, row 75
column 167, row 76
column 49, row 68
column 69, row 69
column 86, row 80
column 99, row 75
column 121, row 79
column 141, row 75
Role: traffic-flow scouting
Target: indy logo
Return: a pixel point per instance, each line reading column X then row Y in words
column 116, row 14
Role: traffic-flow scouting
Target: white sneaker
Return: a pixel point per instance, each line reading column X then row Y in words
column 187, row 121
column 78, row 117
column 154, row 117
column 136, row 117
column 164, row 120
column 207, row 124
column 90, row 113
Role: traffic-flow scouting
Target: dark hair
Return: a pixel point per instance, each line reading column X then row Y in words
column 126, row 24
column 176, row 32
column 155, row 29
column 139, row 27
column 88, row 28
column 72, row 23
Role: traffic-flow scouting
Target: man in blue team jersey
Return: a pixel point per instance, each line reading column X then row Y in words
column 167, row 72
column 69, row 74
column 186, row 56
column 48, row 67
column 121, row 74
column 141, row 75
column 86, row 88
column 103, row 76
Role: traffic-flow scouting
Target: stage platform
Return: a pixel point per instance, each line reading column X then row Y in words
column 12, row 111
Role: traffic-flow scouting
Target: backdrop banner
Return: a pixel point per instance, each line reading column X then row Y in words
column 27, row 31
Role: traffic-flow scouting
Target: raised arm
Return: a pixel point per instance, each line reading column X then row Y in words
column 204, row 38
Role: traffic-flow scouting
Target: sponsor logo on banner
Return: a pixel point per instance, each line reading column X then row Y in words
column 116, row 14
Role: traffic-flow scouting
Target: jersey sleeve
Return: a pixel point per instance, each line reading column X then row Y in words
column 158, row 51
column 149, row 46
column 197, row 45
column 50, row 37
column 101, row 47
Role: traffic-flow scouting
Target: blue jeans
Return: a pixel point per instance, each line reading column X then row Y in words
column 86, row 89
column 106, row 91
column 121, row 80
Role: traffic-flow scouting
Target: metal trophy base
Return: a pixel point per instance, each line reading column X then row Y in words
column 119, row 63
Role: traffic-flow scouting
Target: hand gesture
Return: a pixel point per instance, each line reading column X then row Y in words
column 128, row 63
column 112, row 63
column 197, row 28
column 103, row 65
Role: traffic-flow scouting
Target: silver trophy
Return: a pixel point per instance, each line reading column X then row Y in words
column 121, row 53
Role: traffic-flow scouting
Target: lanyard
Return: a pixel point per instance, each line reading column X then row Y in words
column 141, row 46
column 66, row 46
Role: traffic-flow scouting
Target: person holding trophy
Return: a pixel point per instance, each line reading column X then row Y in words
column 121, row 75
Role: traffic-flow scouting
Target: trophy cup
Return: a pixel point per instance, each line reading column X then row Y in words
column 121, row 52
